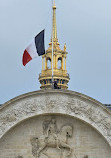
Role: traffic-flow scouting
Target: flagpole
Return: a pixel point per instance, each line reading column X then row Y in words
column 52, row 65
column 52, row 48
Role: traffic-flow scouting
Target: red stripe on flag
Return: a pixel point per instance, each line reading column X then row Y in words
column 26, row 57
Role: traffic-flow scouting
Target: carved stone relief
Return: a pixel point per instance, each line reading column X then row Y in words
column 72, row 105
column 93, row 114
column 52, row 137
column 85, row 156
column 19, row 157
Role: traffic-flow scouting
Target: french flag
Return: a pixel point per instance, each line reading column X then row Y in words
column 34, row 49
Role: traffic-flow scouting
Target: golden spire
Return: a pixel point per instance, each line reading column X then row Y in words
column 54, row 30
column 54, row 63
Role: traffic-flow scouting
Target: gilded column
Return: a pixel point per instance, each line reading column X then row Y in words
column 62, row 63
column 54, row 61
column 45, row 63
column 65, row 63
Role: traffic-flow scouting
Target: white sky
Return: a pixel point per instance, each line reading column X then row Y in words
column 84, row 25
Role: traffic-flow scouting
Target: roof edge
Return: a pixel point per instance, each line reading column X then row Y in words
column 54, row 91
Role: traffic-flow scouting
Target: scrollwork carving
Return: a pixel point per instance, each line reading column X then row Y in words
column 79, row 107
column 8, row 117
column 93, row 114
column 30, row 107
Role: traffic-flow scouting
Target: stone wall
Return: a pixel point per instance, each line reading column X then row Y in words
column 54, row 123
column 83, row 139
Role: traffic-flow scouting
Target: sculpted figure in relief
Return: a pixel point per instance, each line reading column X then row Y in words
column 52, row 137
column 50, row 130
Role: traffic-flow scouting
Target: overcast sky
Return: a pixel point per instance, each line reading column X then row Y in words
column 84, row 25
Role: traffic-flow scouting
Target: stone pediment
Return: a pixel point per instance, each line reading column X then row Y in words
column 55, row 102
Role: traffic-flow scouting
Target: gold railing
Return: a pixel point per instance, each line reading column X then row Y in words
column 55, row 74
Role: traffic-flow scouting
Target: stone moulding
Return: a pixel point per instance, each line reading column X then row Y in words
column 62, row 102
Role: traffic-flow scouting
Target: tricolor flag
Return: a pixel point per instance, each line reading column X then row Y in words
column 34, row 49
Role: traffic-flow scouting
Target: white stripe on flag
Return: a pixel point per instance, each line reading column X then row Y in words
column 31, row 49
